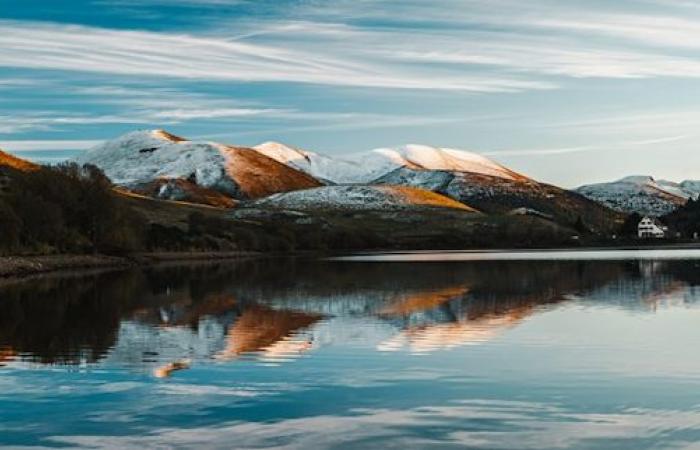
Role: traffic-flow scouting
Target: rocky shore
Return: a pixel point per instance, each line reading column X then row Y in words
column 13, row 266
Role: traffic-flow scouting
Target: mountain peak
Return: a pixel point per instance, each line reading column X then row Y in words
column 425, row 157
column 164, row 135
column 274, row 144
column 638, row 179
column 281, row 152
column 642, row 194
column 137, row 159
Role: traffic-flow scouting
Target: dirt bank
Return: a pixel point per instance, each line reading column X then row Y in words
column 13, row 266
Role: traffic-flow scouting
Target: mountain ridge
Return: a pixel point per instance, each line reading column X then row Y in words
column 359, row 197
column 152, row 158
column 142, row 157
column 642, row 194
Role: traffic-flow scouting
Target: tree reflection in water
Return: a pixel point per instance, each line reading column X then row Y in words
column 278, row 309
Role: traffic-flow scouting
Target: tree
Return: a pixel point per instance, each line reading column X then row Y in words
column 580, row 226
column 10, row 226
column 629, row 226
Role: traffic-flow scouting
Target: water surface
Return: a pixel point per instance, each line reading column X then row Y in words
column 290, row 353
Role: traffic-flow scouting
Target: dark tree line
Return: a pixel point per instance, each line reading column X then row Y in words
column 686, row 219
column 74, row 209
column 66, row 208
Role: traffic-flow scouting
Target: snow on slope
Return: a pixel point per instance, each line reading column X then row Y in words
column 359, row 198
column 691, row 186
column 423, row 157
column 368, row 166
column 641, row 194
column 141, row 157
column 318, row 166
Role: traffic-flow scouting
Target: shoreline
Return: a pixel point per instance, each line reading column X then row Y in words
column 592, row 248
column 26, row 265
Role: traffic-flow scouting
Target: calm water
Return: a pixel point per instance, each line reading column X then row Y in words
column 422, row 353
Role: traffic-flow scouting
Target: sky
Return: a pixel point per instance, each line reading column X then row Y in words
column 566, row 91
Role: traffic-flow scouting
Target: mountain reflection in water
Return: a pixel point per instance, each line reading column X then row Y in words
column 299, row 353
column 277, row 310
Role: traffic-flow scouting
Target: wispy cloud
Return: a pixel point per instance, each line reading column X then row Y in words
column 611, row 146
column 134, row 105
column 344, row 121
column 89, row 49
column 584, row 77
column 464, row 45
column 19, row 146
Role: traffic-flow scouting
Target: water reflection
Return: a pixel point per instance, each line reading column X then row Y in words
column 275, row 334
column 306, row 354
column 163, row 320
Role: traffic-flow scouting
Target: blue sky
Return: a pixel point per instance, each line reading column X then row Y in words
column 566, row 91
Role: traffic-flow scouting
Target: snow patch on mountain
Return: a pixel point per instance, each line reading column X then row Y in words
column 358, row 198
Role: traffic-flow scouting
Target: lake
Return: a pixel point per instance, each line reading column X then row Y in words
column 423, row 350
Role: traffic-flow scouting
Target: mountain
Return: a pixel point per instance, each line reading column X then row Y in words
column 642, row 194
column 162, row 165
column 365, row 167
column 329, row 170
column 382, row 161
column 498, row 195
column 11, row 161
column 356, row 197
column 9, row 166
column 692, row 187
column 466, row 177
column 137, row 160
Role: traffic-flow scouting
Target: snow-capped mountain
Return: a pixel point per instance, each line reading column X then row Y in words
column 365, row 167
column 642, row 194
column 330, row 170
column 356, row 197
column 466, row 177
column 691, row 186
column 141, row 158
column 159, row 164
column 144, row 156
column 500, row 194
column 382, row 161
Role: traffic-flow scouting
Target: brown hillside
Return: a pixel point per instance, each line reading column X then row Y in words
column 259, row 176
column 8, row 160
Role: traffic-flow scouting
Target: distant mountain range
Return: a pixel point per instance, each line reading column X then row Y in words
column 642, row 194
column 275, row 176
column 162, row 165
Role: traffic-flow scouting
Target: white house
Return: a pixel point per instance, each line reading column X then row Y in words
column 651, row 228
